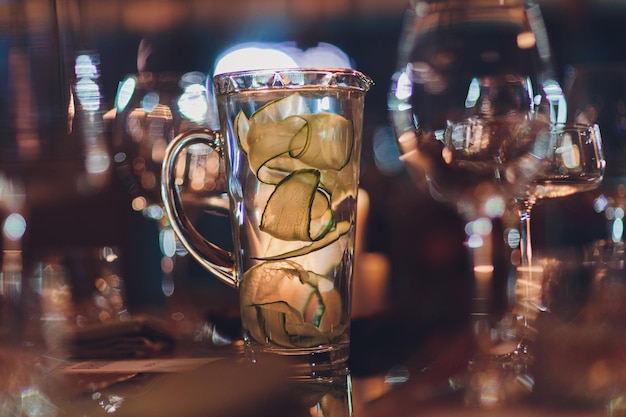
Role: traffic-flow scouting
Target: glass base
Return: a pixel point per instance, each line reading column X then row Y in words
column 495, row 379
column 321, row 363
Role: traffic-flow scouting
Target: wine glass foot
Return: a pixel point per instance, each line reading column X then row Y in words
column 499, row 377
column 519, row 361
column 503, row 381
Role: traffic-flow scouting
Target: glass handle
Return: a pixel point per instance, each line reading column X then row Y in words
column 213, row 258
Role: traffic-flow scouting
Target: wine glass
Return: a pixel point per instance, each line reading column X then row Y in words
column 575, row 163
column 596, row 94
column 472, row 117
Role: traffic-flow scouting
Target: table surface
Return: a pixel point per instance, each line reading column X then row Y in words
column 218, row 381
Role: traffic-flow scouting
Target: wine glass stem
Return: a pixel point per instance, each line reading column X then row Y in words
column 481, row 245
column 529, row 290
column 526, row 250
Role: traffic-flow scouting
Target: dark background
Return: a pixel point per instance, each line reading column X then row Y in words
column 423, row 238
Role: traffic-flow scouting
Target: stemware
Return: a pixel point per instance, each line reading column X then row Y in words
column 574, row 164
column 596, row 94
column 472, row 117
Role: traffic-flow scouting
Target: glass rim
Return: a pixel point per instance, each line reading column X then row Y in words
column 291, row 78
column 575, row 126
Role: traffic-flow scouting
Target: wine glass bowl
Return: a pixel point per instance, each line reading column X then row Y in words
column 576, row 163
column 486, row 158
column 497, row 145
column 456, row 59
column 596, row 95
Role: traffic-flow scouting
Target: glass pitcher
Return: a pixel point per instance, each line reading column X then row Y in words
column 291, row 140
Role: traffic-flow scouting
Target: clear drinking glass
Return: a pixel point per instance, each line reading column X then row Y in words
column 291, row 140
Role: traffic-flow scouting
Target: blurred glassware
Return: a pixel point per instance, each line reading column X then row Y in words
column 52, row 153
column 87, row 356
column 79, row 287
column 574, row 163
column 580, row 346
column 597, row 94
column 471, row 108
column 64, row 289
column 52, row 148
column 150, row 110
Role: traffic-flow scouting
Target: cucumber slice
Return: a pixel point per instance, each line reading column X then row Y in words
column 278, row 168
column 322, row 141
column 287, row 306
column 332, row 236
column 283, row 136
column 269, row 282
column 297, row 209
column 272, row 112
column 280, row 109
column 285, row 326
column 328, row 144
column 322, row 217
column 305, row 155
column 341, row 184
column 272, row 282
column 329, row 319
column 267, row 141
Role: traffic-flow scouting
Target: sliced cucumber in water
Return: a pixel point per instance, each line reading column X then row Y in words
column 328, row 143
column 278, row 110
column 297, row 209
column 284, row 326
column 267, row 141
column 332, row 236
column 305, row 156
column 287, row 306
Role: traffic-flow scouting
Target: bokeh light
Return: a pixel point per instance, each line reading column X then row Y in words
column 14, row 226
column 250, row 56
